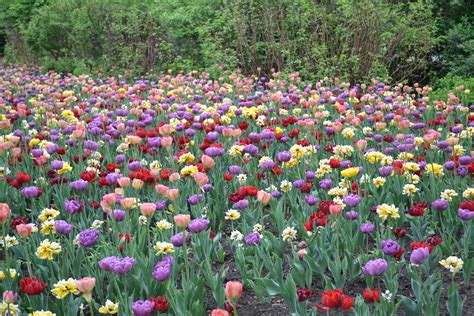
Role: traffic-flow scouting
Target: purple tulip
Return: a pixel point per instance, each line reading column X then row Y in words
column 235, row 169
column 267, row 165
column 385, row 171
column 177, row 239
column 352, row 215
column 119, row 215
column 390, row 247
column 240, row 205
column 311, row 200
column 465, row 160
column 325, row 184
column 465, row 214
column 440, row 205
column 367, row 228
column 283, row 156
column 252, row 239
column 162, row 270
column 351, row 200
column 142, row 308
column 72, row 206
column 57, row 164
column 31, row 192
column 419, row 255
column 375, row 267
column 120, row 266
column 198, row 225
column 79, row 185
column 62, row 227
column 88, row 237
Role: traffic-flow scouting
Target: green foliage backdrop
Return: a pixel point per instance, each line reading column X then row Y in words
column 411, row 40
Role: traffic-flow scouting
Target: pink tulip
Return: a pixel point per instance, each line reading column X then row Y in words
column 166, row 142
column 233, row 290
column 124, row 182
column 148, row 209
column 337, row 126
column 5, row 212
column 128, row 203
column 137, row 184
column 207, row 161
column 172, row 194
column 404, row 124
column 85, row 286
column 201, row 178
column 24, row 230
column 9, row 297
column 264, row 197
column 162, row 189
column 219, row 312
column 335, row 210
column 361, row 144
column 182, row 220
column 165, row 130
column 174, row 177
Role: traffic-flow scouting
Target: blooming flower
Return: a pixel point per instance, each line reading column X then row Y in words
column 252, row 239
column 46, row 249
column 419, row 255
column 385, row 211
column 162, row 270
column 88, row 237
column 232, row 215
column 142, row 308
column 120, row 266
column 289, row 233
column 198, row 225
column 452, row 263
column 109, row 308
column 375, row 267
column 162, row 247
column 64, row 287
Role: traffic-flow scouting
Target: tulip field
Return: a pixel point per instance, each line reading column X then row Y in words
column 191, row 194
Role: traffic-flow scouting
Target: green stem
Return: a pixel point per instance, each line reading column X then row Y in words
column 5, row 250
column 185, row 255
column 28, row 260
column 91, row 308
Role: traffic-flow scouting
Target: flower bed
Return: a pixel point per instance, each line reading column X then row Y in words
column 190, row 195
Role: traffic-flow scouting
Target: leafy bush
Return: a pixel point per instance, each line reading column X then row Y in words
column 413, row 40
column 449, row 83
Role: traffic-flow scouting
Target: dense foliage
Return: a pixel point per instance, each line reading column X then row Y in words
column 355, row 40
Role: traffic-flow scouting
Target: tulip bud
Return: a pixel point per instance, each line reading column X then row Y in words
column 175, row 177
column 148, row 209
column 219, row 312
column 335, row 210
column 172, row 194
column 124, row 182
column 24, row 230
column 201, row 178
column 5, row 212
column 182, row 220
column 263, row 197
column 9, row 297
column 137, row 184
column 162, row 189
column 85, row 286
column 233, row 290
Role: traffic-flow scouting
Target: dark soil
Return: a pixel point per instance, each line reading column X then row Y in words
column 250, row 304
